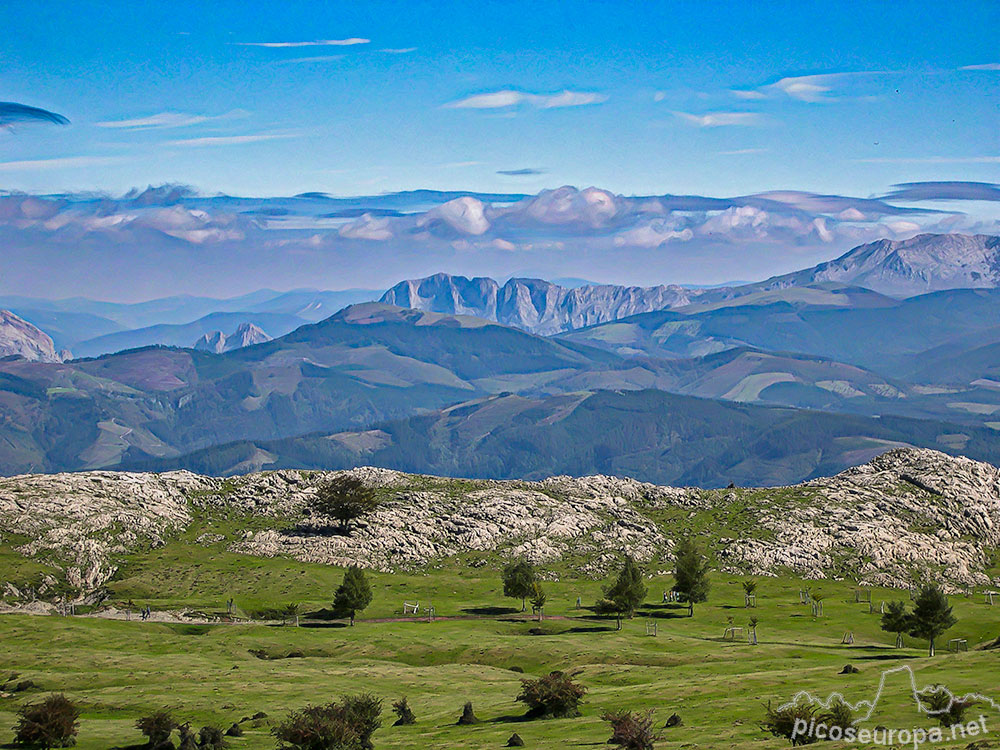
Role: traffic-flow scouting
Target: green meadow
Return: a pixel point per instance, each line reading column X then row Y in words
column 473, row 650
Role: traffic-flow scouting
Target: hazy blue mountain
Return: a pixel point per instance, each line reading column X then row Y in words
column 649, row 435
column 187, row 334
column 905, row 268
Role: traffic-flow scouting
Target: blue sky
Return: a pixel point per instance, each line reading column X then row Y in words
column 639, row 98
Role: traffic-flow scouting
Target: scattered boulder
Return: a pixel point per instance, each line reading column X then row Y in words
column 849, row 669
column 674, row 720
column 515, row 741
column 234, row 731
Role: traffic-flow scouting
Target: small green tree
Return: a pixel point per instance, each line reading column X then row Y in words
column 749, row 589
column 629, row 590
column 752, row 623
column 538, row 598
column 896, row 620
column 353, row 595
column 291, row 612
column 690, row 573
column 49, row 723
column 931, row 615
column 519, row 579
column 344, row 499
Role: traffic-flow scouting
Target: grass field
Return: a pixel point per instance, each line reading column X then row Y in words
column 207, row 674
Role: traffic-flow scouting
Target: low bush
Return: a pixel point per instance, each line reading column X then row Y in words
column 553, row 696
column 346, row 724
column 52, row 722
column 468, row 715
column 404, row 714
column 631, row 730
column 157, row 728
column 780, row 722
column 211, row 738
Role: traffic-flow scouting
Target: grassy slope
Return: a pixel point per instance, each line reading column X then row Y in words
column 206, row 674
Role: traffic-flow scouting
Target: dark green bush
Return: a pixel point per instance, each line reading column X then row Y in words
column 48, row 723
column 553, row 696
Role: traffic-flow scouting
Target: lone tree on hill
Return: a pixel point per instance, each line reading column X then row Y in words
column 626, row 594
column 690, row 573
column 519, row 579
column 931, row 615
column 344, row 499
column 353, row 595
column 895, row 620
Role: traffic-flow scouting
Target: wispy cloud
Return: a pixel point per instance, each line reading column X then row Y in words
column 811, row 88
column 511, row 98
column 229, row 140
column 67, row 162
column 313, row 59
column 398, row 50
column 168, row 120
column 720, row 119
column 984, row 66
column 315, row 43
column 461, row 164
column 742, row 151
column 524, row 172
column 931, row 160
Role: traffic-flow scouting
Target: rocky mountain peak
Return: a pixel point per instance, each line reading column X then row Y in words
column 19, row 338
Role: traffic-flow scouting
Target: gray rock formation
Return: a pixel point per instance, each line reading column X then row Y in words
column 247, row 334
column 19, row 338
column 535, row 305
column 905, row 268
column 908, row 512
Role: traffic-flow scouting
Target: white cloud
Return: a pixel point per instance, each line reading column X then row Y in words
column 315, row 43
column 511, row 98
column 465, row 215
column 398, row 50
column 314, row 59
column 720, row 119
column 168, row 120
column 67, row 162
column 984, row 66
column 367, row 227
column 742, row 152
column 227, row 140
column 811, row 88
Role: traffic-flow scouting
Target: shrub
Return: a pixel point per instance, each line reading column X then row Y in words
column 632, row 731
column 552, row 696
column 839, row 714
column 404, row 714
column 945, row 707
column 211, row 738
column 780, row 722
column 48, row 723
column 468, row 715
column 157, row 728
column 343, row 725
column 234, row 731
column 353, row 595
column 187, row 738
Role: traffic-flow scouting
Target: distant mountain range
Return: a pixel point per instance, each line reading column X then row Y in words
column 763, row 383
column 905, row 268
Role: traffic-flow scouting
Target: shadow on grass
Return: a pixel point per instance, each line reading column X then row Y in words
column 491, row 611
column 323, row 624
